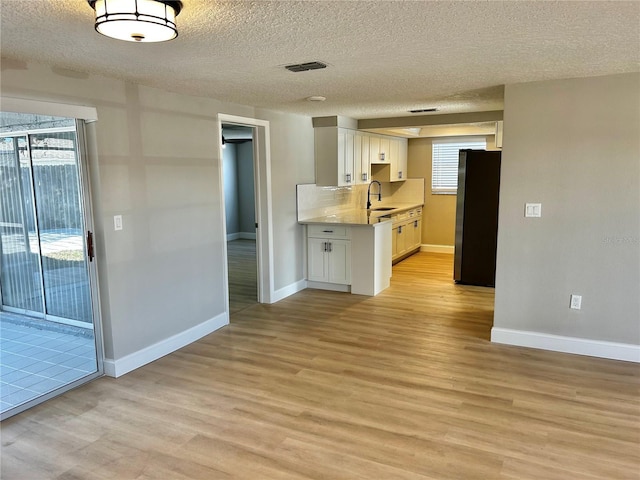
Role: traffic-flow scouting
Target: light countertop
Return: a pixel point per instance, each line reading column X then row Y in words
column 362, row 216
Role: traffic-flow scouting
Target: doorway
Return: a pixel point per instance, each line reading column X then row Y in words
column 240, row 215
column 48, row 342
column 257, row 131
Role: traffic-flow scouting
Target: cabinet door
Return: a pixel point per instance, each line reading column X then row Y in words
column 401, row 239
column 317, row 265
column 403, row 147
column 398, row 159
column 362, row 167
column 345, row 156
column 340, row 262
column 374, row 149
column 416, row 237
column 385, row 150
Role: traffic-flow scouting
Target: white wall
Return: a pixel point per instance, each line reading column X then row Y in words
column 574, row 146
column 161, row 276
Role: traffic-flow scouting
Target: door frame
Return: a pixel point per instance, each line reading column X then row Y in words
column 264, row 214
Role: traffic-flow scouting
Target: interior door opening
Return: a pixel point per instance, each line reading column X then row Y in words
column 240, row 215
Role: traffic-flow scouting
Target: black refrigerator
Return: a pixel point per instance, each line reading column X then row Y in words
column 477, row 217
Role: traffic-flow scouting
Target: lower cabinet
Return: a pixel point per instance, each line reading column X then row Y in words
column 329, row 254
column 406, row 235
column 329, row 260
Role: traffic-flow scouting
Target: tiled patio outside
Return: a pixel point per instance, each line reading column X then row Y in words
column 34, row 361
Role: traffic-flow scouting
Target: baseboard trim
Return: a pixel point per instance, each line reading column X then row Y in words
column 287, row 291
column 558, row 343
column 121, row 366
column 425, row 247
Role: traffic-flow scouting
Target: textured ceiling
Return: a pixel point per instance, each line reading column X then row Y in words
column 384, row 57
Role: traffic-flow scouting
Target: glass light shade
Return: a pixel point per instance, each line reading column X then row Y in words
column 137, row 20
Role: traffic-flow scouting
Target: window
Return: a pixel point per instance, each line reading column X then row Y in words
column 444, row 162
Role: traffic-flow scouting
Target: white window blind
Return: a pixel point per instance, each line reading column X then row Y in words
column 444, row 162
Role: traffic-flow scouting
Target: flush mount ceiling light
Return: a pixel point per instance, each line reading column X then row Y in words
column 137, row 20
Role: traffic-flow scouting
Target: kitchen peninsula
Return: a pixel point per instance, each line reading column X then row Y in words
column 350, row 248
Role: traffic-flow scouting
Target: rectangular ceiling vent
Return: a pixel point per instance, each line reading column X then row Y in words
column 423, row 110
column 303, row 67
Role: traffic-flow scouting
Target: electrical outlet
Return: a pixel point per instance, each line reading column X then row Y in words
column 533, row 210
column 117, row 222
column 576, row 302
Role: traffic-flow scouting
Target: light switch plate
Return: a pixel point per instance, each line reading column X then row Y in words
column 117, row 222
column 576, row 302
column 532, row 209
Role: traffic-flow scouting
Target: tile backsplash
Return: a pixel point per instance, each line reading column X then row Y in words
column 314, row 201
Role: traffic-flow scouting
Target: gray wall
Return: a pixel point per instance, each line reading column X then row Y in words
column 230, row 173
column 246, row 197
column 155, row 165
column 574, row 146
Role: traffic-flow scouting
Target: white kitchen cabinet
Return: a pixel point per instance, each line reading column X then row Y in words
column 398, row 159
column 377, row 153
column 385, row 150
column 335, row 156
column 414, row 234
column 333, row 265
column 328, row 255
column 406, row 236
column 362, row 165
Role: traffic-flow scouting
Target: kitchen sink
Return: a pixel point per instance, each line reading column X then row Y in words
column 383, row 209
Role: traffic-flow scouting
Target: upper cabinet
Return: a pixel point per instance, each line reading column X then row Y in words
column 335, row 153
column 398, row 160
column 345, row 157
column 362, row 164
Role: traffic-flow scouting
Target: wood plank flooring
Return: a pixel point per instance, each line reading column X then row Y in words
column 325, row 385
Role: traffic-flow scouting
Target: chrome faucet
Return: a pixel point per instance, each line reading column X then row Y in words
column 369, row 193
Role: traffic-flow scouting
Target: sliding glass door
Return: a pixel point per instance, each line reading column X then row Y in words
column 46, row 287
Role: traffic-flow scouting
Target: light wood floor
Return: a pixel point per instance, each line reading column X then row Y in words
column 324, row 385
column 243, row 275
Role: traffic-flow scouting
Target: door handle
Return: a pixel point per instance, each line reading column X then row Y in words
column 90, row 252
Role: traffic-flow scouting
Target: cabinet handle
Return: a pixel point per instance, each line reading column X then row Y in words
column 329, row 247
column 400, row 174
column 327, row 231
column 382, row 156
column 364, row 177
column 348, row 178
column 324, row 246
column 400, row 229
column 415, row 224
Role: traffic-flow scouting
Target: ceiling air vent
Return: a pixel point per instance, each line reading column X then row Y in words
column 303, row 67
column 423, row 110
